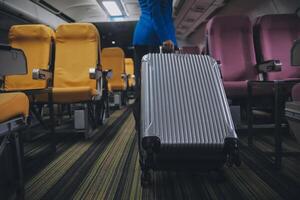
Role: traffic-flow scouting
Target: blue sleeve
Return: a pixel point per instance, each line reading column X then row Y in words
column 158, row 20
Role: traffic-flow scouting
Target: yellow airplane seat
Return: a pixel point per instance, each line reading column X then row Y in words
column 129, row 70
column 77, row 75
column 77, row 48
column 14, row 112
column 113, row 59
column 36, row 42
column 14, row 108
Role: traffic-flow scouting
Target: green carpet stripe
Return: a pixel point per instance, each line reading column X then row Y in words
column 278, row 180
column 109, row 169
column 68, row 185
column 118, row 180
column 98, row 180
column 250, row 184
column 43, row 181
column 125, row 183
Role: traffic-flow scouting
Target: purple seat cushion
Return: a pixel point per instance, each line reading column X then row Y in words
column 276, row 34
column 235, row 89
column 239, row 89
column 230, row 41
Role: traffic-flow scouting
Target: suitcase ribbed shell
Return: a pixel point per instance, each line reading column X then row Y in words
column 183, row 101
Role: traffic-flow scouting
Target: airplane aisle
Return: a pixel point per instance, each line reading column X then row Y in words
column 107, row 167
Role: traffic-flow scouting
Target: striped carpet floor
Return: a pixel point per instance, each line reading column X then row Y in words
column 107, row 167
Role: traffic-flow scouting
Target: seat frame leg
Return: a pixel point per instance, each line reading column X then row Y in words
column 52, row 122
column 20, row 190
column 278, row 129
column 250, row 116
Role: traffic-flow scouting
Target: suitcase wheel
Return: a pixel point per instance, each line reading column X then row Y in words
column 233, row 154
column 234, row 159
column 145, row 179
column 238, row 161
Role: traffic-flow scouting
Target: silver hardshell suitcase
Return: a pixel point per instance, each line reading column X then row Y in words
column 185, row 118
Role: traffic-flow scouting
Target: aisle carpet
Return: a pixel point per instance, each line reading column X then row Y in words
column 107, row 167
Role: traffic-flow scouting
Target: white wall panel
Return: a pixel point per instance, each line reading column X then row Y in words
column 253, row 9
column 32, row 11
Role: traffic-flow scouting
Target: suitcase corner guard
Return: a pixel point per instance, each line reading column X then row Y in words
column 151, row 144
column 231, row 149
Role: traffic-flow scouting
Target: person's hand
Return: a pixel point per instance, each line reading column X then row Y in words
column 168, row 45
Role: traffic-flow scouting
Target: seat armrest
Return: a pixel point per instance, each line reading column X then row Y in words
column 269, row 66
column 124, row 76
column 129, row 76
column 107, row 73
column 95, row 74
column 41, row 74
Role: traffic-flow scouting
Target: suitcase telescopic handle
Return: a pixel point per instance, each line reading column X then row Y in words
column 165, row 49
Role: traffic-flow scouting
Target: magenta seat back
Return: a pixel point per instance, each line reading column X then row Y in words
column 275, row 35
column 230, row 40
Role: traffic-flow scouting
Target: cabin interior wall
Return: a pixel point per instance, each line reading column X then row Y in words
column 3, row 36
column 6, row 21
column 253, row 9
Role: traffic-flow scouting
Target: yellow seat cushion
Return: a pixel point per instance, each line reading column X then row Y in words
column 109, row 87
column 13, row 105
column 69, row 95
column 118, row 85
column 113, row 58
column 35, row 41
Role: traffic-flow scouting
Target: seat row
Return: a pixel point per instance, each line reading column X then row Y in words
column 255, row 63
column 60, row 52
column 65, row 67
column 123, row 80
column 61, row 60
column 242, row 50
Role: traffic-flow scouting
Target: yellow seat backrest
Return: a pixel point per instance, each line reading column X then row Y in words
column 77, row 50
column 35, row 41
column 129, row 69
column 113, row 58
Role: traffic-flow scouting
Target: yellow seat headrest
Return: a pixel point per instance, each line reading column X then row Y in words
column 30, row 31
column 84, row 31
column 113, row 52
